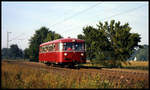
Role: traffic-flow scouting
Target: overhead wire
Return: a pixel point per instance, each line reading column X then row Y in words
column 16, row 37
column 68, row 18
column 125, row 12
column 119, row 13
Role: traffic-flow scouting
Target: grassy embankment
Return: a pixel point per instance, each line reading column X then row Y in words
column 137, row 65
column 17, row 76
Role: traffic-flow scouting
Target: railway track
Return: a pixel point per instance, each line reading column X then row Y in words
column 80, row 68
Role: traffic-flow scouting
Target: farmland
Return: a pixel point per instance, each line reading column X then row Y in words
column 24, row 74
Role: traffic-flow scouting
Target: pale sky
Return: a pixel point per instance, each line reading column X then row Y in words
column 22, row 19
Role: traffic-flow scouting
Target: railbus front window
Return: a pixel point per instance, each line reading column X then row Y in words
column 79, row 46
column 68, row 46
column 73, row 46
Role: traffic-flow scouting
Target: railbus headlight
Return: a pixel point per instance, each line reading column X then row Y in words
column 82, row 54
column 65, row 54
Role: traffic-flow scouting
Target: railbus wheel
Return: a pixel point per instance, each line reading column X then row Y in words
column 52, row 65
column 71, row 65
column 48, row 63
column 62, row 65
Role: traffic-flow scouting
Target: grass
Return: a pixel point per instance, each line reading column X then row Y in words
column 138, row 65
column 17, row 76
column 14, row 76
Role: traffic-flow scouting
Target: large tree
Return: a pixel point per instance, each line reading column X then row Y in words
column 110, row 41
column 41, row 35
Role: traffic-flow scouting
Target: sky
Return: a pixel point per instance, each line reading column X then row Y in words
column 22, row 19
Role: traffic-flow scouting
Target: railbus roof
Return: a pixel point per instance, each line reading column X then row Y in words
column 62, row 40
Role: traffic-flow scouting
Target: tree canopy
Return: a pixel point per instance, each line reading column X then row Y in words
column 41, row 35
column 111, row 41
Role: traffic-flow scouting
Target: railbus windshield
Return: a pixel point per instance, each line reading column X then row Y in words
column 73, row 46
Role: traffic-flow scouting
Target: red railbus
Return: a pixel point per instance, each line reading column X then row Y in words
column 64, row 51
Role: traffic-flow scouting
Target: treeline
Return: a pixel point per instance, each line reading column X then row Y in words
column 13, row 52
column 111, row 42
column 32, row 53
column 141, row 54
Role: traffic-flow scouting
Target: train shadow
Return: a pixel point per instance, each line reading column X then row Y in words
column 87, row 67
column 80, row 67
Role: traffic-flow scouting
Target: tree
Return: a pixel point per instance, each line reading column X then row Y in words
column 52, row 36
column 5, row 53
column 110, row 41
column 26, row 53
column 35, row 41
column 41, row 35
column 95, row 42
column 13, row 52
column 80, row 36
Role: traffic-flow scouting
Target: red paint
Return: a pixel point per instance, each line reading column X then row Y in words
column 60, row 56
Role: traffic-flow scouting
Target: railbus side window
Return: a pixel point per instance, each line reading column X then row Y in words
column 46, row 48
column 56, row 47
column 53, row 47
column 49, row 48
column 43, row 49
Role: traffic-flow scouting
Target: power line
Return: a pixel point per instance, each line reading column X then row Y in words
column 119, row 13
column 76, row 14
column 8, row 39
column 125, row 12
column 17, row 37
